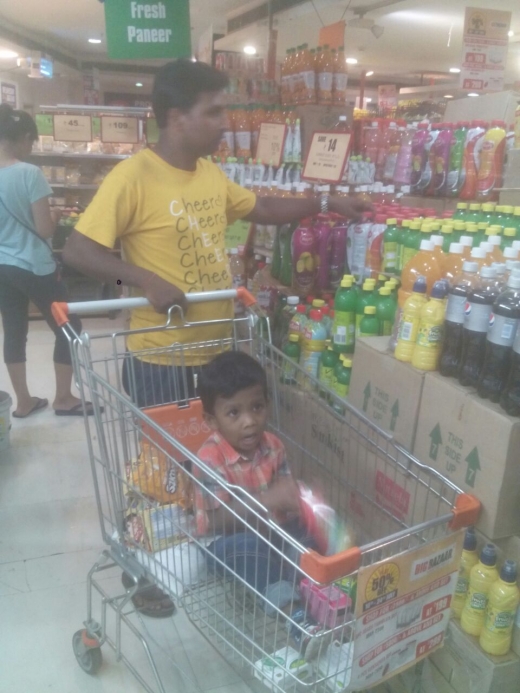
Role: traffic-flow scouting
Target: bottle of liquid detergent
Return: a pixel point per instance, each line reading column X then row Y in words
column 481, row 578
column 471, row 160
column 419, row 156
column 303, row 251
column 456, row 158
column 489, row 176
column 468, row 559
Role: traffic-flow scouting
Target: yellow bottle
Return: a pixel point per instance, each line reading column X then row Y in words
column 410, row 320
column 481, row 577
column 468, row 560
column 429, row 337
column 496, row 636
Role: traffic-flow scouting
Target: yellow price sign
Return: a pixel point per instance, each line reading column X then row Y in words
column 271, row 142
column 72, row 128
column 119, row 130
column 327, row 156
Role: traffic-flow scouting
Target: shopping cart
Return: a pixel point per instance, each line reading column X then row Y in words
column 145, row 466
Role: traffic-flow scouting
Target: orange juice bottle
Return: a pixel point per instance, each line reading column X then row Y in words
column 242, row 133
column 440, row 255
column 302, row 70
column 325, row 77
column 284, row 73
column 296, row 75
column 423, row 264
column 454, row 261
column 309, row 76
column 339, row 89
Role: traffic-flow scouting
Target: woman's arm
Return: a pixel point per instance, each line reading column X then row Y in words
column 44, row 222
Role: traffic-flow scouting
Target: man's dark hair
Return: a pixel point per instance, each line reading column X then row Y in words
column 228, row 374
column 180, row 83
column 14, row 125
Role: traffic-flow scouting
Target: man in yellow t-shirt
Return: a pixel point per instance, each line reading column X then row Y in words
column 169, row 208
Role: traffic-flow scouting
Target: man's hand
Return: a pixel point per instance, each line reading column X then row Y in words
column 163, row 295
column 282, row 496
column 351, row 208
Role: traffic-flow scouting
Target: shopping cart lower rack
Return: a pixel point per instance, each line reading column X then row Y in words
column 356, row 617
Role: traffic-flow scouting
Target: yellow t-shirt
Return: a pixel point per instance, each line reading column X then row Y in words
column 173, row 223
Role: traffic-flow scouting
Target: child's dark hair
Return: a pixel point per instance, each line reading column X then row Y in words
column 180, row 83
column 14, row 125
column 226, row 375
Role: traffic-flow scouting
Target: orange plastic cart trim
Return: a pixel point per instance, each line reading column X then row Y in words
column 246, row 298
column 466, row 511
column 326, row 569
column 60, row 312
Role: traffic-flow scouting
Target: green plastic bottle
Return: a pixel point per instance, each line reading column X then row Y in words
column 510, row 235
column 286, row 233
column 411, row 244
column 516, row 220
column 328, row 361
column 369, row 326
column 342, row 374
column 344, row 325
column 488, row 212
column 461, row 211
column 292, row 351
column 386, row 308
column 404, row 230
column 481, row 233
column 447, row 235
column 390, row 246
column 459, row 229
column 474, row 213
column 365, row 298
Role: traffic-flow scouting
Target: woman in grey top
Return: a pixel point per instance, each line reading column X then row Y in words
column 28, row 271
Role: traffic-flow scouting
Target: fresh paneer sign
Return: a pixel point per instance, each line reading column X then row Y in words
column 140, row 30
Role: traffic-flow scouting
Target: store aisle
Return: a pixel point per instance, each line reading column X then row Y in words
column 49, row 540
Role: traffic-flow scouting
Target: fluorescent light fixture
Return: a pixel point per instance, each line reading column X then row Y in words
column 94, row 40
column 473, row 94
column 368, row 100
column 138, row 84
column 511, row 33
column 448, row 96
column 249, row 50
column 6, row 54
column 351, row 61
column 369, row 73
column 455, row 70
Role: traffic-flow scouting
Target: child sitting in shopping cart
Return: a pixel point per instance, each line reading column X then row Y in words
column 233, row 390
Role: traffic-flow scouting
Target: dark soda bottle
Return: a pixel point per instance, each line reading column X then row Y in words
column 476, row 323
column 453, row 327
column 510, row 400
column 503, row 325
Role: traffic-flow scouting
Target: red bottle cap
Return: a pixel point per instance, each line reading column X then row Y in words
column 316, row 315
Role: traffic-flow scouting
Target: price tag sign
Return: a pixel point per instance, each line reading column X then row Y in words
column 271, row 142
column 73, row 128
column 119, row 130
column 327, row 156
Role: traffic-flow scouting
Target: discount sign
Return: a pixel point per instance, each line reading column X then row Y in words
column 327, row 156
column 118, row 130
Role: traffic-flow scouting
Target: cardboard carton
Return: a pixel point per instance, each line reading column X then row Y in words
column 387, row 391
column 476, row 446
column 468, row 669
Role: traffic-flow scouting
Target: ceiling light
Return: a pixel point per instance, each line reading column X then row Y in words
column 138, row 84
column 351, row 61
column 511, row 33
column 455, row 70
column 473, row 94
column 448, row 96
column 369, row 100
column 369, row 73
column 94, row 40
column 249, row 50
column 5, row 53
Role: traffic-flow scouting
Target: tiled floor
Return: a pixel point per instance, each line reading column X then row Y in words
column 49, row 539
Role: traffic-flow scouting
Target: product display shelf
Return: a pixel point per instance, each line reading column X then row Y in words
column 80, row 155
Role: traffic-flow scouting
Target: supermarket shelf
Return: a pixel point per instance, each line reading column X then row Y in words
column 81, row 186
column 115, row 251
column 72, row 155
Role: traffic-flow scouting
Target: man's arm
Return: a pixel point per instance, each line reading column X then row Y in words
column 276, row 211
column 96, row 260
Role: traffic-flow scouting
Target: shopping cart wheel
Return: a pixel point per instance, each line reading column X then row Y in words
column 88, row 655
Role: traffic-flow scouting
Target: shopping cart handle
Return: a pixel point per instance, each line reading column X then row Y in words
column 60, row 311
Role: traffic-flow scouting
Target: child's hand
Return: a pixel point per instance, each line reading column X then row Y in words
column 282, row 497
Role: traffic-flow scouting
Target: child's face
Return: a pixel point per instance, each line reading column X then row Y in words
column 241, row 419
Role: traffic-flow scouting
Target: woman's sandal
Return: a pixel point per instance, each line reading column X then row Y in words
column 149, row 600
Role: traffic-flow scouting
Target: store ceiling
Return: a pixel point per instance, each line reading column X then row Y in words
column 421, row 39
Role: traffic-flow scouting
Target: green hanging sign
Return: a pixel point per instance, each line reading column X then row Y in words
column 148, row 30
